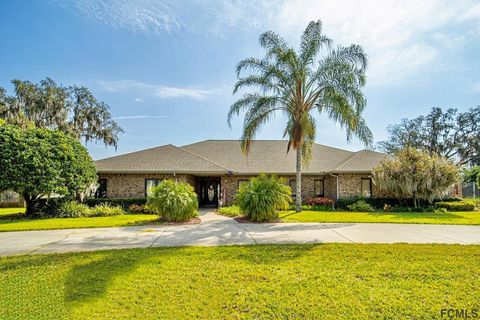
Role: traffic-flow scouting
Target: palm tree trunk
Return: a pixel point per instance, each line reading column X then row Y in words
column 298, row 182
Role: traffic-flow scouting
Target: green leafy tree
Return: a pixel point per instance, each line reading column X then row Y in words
column 39, row 162
column 450, row 134
column 72, row 110
column 414, row 174
column 296, row 83
column 261, row 197
column 472, row 175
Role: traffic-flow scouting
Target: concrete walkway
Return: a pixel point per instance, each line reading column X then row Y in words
column 218, row 230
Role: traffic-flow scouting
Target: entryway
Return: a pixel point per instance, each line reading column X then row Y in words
column 208, row 190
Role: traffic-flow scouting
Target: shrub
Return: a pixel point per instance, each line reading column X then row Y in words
column 233, row 211
column 320, row 201
column 125, row 203
column 70, row 209
column 377, row 203
column 48, row 207
column 360, row 206
column 105, row 210
column 261, row 197
column 174, row 201
column 464, row 205
column 141, row 209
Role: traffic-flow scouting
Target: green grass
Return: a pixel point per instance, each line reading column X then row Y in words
column 464, row 218
column 12, row 219
column 334, row 281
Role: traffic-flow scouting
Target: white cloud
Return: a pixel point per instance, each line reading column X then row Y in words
column 159, row 91
column 397, row 35
column 142, row 116
column 403, row 38
column 138, row 100
column 162, row 16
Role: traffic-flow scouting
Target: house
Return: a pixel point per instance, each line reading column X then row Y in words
column 216, row 169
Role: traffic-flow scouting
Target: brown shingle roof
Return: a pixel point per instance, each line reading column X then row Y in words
column 222, row 156
column 267, row 156
column 361, row 161
column 163, row 159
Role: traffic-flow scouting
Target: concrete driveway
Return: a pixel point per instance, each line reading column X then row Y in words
column 218, row 230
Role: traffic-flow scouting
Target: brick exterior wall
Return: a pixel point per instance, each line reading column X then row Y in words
column 133, row 185
column 350, row 184
column 229, row 186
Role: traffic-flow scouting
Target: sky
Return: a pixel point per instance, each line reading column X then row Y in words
column 167, row 68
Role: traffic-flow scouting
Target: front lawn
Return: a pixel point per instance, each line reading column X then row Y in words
column 334, row 281
column 12, row 219
column 465, row 218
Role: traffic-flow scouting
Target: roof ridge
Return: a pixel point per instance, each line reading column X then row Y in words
column 198, row 156
column 279, row 140
column 348, row 159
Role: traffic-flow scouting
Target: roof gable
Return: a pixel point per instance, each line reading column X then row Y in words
column 361, row 161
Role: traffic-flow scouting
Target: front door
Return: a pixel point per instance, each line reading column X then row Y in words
column 209, row 190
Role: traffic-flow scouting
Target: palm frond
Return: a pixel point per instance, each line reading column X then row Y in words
column 312, row 41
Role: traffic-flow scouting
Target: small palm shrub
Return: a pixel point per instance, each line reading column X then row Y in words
column 261, row 197
column 106, row 210
column 71, row 209
column 174, row 201
column 360, row 206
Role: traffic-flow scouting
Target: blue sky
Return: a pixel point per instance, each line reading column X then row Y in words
column 166, row 68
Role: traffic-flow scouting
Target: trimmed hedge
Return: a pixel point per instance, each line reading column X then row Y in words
column 464, row 205
column 377, row 203
column 125, row 203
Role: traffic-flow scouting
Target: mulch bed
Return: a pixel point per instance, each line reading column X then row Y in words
column 245, row 220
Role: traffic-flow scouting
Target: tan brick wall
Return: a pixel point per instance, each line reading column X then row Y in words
column 229, row 186
column 133, row 185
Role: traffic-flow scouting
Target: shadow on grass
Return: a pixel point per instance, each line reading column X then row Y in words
column 14, row 217
column 90, row 278
column 89, row 281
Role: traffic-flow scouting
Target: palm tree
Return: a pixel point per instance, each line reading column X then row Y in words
column 296, row 83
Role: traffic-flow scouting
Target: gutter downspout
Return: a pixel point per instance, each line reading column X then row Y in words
column 336, row 177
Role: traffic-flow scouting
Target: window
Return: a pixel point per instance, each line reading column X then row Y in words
column 293, row 186
column 318, row 186
column 149, row 184
column 241, row 181
column 366, row 187
column 101, row 191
